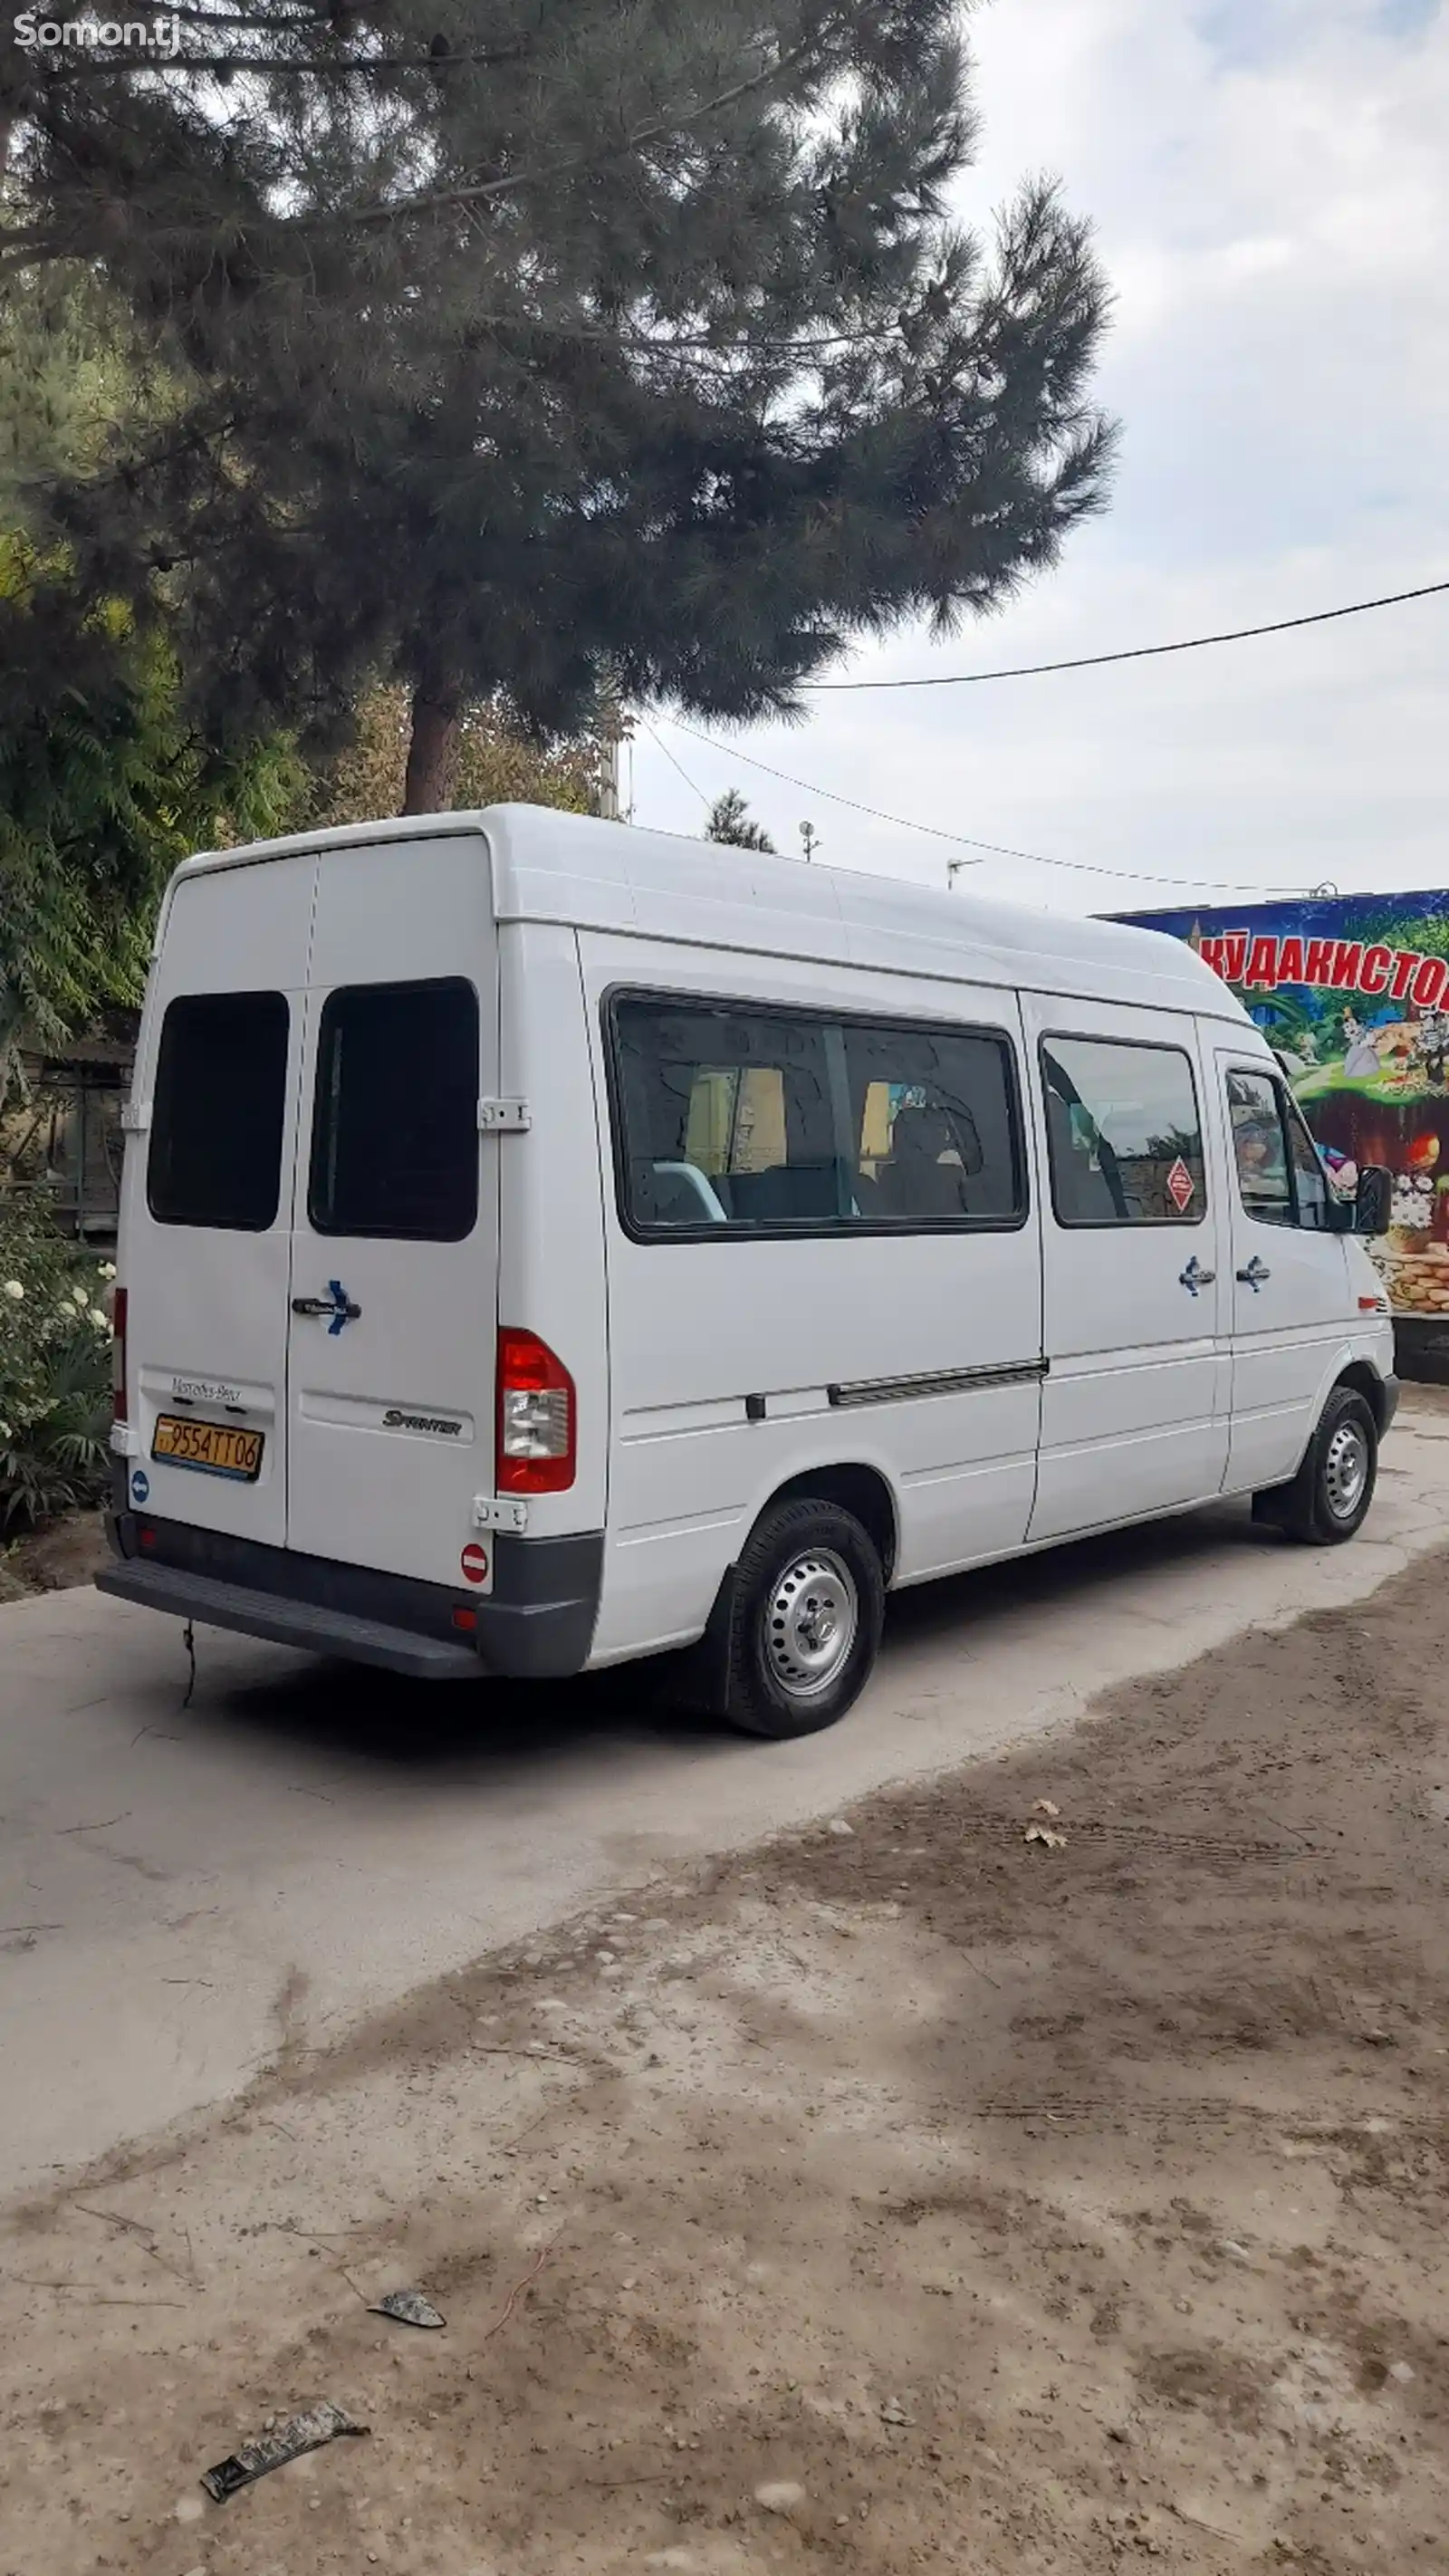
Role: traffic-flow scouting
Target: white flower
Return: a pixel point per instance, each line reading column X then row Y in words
column 80, row 1296
column 14, row 1289
column 4, row 1430
column 108, row 1270
column 101, row 1322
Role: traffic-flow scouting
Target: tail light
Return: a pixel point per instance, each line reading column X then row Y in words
column 537, row 1417
column 119, row 1303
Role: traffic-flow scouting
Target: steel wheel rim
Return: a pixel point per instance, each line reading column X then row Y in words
column 1345, row 1470
column 812, row 1620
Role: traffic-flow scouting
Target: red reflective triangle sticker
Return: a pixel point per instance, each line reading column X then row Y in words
column 1180, row 1186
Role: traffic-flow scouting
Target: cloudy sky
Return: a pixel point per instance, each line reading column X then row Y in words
column 1270, row 184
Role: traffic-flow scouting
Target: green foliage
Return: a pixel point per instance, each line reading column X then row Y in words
column 612, row 343
column 55, row 1368
column 105, row 782
column 104, row 787
column 730, row 820
column 75, row 386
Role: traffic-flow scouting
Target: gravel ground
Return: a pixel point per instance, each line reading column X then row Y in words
column 902, row 2194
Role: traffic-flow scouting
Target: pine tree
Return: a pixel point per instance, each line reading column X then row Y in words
column 105, row 783
column 492, row 766
column 104, row 788
column 730, row 820
column 599, row 345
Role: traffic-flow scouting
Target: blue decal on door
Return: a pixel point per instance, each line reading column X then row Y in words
column 343, row 1308
column 140, row 1487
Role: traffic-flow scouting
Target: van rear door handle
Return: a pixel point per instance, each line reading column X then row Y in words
column 338, row 1307
column 1195, row 1277
column 1255, row 1274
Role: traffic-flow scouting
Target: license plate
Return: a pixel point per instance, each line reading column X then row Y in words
column 214, row 1447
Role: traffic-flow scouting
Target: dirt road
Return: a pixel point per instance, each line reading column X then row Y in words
column 304, row 1845
column 905, row 2197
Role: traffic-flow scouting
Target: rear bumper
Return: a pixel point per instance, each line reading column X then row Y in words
column 219, row 1604
column 537, row 1624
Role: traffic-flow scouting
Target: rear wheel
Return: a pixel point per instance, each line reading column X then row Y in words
column 809, row 1600
column 1329, row 1498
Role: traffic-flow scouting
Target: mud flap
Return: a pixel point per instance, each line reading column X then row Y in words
column 700, row 1677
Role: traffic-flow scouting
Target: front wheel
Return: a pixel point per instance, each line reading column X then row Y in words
column 1329, row 1498
column 809, row 1599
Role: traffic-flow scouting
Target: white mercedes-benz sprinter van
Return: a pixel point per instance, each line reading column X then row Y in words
column 546, row 1243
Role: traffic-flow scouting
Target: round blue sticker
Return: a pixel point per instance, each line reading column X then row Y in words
column 140, row 1486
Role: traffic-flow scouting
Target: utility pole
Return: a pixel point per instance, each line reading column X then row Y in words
column 609, row 783
column 810, row 839
column 613, row 729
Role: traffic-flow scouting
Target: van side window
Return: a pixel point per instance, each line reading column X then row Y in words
column 933, row 1126
column 727, row 1118
column 742, row 1118
column 1311, row 1193
column 395, row 1117
column 1280, row 1177
column 216, row 1126
column 1124, row 1133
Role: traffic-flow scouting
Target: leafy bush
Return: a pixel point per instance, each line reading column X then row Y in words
column 55, row 1367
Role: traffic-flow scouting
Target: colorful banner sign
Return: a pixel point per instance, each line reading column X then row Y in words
column 1353, row 992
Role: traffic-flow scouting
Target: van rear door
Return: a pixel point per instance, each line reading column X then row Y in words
column 394, row 1279
column 208, row 1199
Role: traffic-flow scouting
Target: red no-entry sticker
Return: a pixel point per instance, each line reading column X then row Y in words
column 1180, row 1186
column 474, row 1562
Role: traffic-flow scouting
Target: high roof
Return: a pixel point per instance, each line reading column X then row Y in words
column 549, row 866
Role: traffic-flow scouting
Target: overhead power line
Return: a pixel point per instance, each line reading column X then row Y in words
column 692, row 784
column 1139, row 652
column 962, row 840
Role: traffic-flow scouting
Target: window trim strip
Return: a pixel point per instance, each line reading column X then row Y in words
column 968, row 1381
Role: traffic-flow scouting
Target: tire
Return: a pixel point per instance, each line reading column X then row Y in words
column 1329, row 1498
column 805, row 1621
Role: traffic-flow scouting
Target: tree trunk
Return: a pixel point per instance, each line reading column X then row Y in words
column 11, row 1016
column 432, row 747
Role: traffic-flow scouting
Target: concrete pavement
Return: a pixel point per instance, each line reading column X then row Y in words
column 185, row 1892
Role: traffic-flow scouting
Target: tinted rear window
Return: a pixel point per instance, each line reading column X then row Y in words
column 395, row 1124
column 216, row 1126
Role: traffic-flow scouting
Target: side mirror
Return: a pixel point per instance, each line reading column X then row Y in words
column 1374, row 1201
